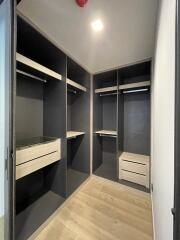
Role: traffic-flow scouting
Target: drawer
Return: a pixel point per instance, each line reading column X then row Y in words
column 36, row 151
column 135, row 178
column 36, row 164
column 134, row 167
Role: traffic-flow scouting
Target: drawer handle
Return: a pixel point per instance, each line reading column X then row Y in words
column 134, row 162
column 133, row 172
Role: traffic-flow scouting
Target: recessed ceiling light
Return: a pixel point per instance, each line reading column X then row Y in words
column 97, row 25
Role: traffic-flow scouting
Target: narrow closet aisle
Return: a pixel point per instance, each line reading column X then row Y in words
column 108, row 212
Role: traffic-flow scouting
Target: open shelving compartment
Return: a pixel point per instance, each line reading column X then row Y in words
column 134, row 125
column 78, row 126
column 40, row 129
column 105, row 88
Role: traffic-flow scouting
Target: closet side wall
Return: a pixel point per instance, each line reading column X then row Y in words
column 163, row 102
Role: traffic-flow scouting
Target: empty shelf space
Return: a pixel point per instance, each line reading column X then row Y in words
column 107, row 133
column 36, row 66
column 106, row 89
column 76, row 85
column 28, row 220
column 135, row 85
column 73, row 134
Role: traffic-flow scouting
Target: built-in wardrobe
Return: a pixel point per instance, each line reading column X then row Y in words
column 52, row 123
column 121, row 124
column 57, row 103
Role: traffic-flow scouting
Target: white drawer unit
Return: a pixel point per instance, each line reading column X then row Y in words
column 33, row 157
column 134, row 168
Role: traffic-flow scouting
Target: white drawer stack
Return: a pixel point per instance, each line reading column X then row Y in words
column 32, row 158
column 134, row 168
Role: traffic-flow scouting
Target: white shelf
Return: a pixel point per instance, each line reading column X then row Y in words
column 73, row 134
column 107, row 133
column 134, row 85
column 76, row 85
column 32, row 64
column 107, row 89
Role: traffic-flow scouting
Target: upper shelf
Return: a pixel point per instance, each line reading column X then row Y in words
column 107, row 133
column 106, row 89
column 38, row 67
column 76, row 85
column 123, row 87
column 134, row 85
column 73, row 134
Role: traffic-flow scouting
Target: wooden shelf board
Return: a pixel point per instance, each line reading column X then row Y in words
column 134, row 85
column 107, row 89
column 76, row 85
column 107, row 132
column 134, row 157
column 28, row 62
column 73, row 134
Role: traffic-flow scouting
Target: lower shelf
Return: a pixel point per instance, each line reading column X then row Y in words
column 74, row 180
column 29, row 220
column 73, row 134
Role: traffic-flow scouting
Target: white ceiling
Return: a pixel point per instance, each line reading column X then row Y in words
column 127, row 37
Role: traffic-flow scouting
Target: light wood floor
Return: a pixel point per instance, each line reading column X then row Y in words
column 102, row 210
column 1, row 228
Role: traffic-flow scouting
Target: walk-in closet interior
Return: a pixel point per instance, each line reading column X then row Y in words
column 74, row 121
column 121, row 134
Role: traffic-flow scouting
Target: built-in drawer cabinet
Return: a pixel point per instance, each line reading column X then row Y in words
column 134, row 168
column 33, row 158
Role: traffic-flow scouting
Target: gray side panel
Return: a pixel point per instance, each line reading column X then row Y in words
column 109, row 112
column 55, row 125
column 137, row 123
column 29, row 108
column 80, row 121
column 97, row 125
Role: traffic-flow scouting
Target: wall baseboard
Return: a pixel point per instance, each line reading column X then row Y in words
column 153, row 222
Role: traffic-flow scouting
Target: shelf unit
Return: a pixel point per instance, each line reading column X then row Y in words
column 36, row 66
column 134, row 168
column 106, row 89
column 73, row 134
column 36, row 155
column 107, row 133
column 135, row 85
column 76, row 85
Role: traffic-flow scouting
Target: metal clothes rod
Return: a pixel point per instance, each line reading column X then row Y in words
column 107, row 135
column 107, row 94
column 135, row 91
column 72, row 91
column 30, row 75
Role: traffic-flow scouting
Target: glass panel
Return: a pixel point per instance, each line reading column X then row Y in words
column 5, row 49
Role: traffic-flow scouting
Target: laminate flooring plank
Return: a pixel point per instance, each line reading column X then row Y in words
column 102, row 210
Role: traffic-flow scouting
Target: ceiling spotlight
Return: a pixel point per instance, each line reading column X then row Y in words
column 97, row 25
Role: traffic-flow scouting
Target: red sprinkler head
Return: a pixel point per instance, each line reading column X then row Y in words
column 81, row 3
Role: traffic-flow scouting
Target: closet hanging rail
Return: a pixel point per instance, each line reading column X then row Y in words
column 136, row 90
column 72, row 91
column 30, row 75
column 107, row 94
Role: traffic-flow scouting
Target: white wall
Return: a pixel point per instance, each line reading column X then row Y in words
column 163, row 100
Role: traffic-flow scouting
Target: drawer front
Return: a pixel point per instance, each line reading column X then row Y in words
column 134, row 167
column 133, row 177
column 37, row 151
column 34, row 165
